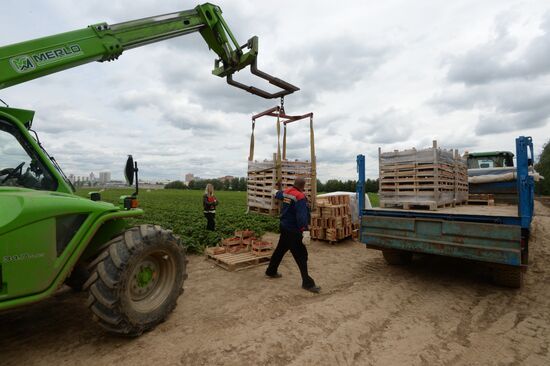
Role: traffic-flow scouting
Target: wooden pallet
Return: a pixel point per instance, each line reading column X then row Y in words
column 481, row 199
column 238, row 262
column 413, row 205
column 264, row 211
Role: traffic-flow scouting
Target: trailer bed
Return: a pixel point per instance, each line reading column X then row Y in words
column 485, row 233
column 481, row 210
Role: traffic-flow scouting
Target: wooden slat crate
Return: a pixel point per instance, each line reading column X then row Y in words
column 461, row 179
column 428, row 178
column 262, row 180
column 260, row 248
column 215, row 250
column 331, row 221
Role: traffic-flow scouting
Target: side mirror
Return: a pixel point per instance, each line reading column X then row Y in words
column 131, row 173
column 129, row 170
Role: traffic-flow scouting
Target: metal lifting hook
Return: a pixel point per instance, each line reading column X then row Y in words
column 286, row 87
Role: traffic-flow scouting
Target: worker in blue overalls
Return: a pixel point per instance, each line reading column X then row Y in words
column 294, row 220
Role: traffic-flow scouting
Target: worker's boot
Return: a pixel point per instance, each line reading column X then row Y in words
column 315, row 289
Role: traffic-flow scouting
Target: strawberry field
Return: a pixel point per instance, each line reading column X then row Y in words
column 181, row 211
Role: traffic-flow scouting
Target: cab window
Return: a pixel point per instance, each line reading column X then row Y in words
column 20, row 166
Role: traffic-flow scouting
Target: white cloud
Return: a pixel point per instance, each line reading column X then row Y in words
column 392, row 74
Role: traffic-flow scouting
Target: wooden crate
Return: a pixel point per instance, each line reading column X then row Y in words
column 331, row 221
column 234, row 245
column 260, row 248
column 317, row 232
column 428, row 178
column 262, row 180
column 244, row 233
column 215, row 250
column 335, row 200
column 249, row 241
column 229, row 242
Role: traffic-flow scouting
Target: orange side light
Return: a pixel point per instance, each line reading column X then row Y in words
column 135, row 203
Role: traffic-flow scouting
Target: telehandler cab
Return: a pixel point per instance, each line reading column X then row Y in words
column 48, row 235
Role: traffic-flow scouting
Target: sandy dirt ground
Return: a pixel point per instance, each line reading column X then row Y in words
column 437, row 311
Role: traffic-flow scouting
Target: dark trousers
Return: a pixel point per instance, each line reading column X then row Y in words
column 210, row 222
column 291, row 240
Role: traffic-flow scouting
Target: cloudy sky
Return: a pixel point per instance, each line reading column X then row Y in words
column 395, row 74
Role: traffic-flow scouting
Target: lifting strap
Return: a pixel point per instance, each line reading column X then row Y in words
column 251, row 153
column 279, row 160
column 313, row 183
column 284, row 141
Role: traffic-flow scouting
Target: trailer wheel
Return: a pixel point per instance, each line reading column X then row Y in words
column 508, row 276
column 134, row 285
column 397, row 257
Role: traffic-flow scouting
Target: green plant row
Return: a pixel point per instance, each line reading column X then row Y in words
column 182, row 212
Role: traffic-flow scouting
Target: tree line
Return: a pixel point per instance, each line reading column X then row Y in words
column 335, row 185
column 235, row 184
column 543, row 167
column 239, row 184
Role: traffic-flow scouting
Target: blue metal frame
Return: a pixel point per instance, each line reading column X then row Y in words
column 360, row 188
column 525, row 182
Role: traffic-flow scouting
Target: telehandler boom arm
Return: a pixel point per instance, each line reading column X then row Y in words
column 36, row 58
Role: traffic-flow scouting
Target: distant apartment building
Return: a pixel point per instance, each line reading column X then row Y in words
column 189, row 177
column 104, row 177
column 226, row 178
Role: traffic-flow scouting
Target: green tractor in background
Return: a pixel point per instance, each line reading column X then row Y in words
column 48, row 235
column 490, row 160
column 493, row 174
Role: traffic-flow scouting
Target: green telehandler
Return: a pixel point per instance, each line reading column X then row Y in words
column 48, row 235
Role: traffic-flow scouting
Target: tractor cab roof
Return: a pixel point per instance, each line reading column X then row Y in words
column 24, row 115
column 490, row 153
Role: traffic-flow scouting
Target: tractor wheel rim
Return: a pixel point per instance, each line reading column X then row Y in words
column 151, row 281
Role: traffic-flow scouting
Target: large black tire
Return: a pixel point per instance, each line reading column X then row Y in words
column 508, row 276
column 397, row 257
column 135, row 283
